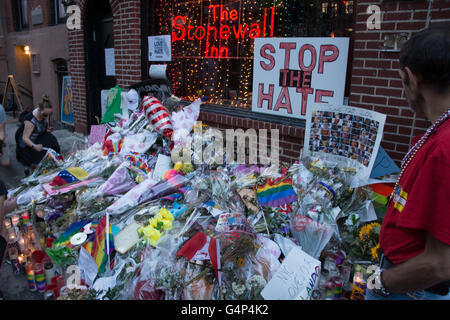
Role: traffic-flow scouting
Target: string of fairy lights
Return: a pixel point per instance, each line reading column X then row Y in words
column 221, row 70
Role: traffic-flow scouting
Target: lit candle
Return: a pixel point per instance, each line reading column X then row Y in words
column 358, row 278
column 22, row 244
column 21, row 258
column 12, row 237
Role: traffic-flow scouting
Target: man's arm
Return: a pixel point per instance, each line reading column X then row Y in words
column 421, row 272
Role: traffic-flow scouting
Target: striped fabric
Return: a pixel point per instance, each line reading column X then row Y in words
column 276, row 193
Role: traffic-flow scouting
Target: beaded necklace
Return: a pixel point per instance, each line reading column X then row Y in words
column 412, row 153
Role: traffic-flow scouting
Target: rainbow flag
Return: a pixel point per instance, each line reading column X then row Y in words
column 69, row 176
column 276, row 193
column 97, row 246
column 64, row 239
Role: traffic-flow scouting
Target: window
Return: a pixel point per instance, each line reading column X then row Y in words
column 58, row 11
column 212, row 40
column 21, row 14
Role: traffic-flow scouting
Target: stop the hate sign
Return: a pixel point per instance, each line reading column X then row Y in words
column 291, row 74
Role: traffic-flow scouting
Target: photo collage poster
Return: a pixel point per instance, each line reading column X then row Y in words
column 346, row 135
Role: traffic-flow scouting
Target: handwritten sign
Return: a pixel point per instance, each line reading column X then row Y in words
column 97, row 134
column 292, row 74
column 295, row 279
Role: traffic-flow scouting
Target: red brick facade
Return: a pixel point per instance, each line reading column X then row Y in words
column 375, row 82
column 127, row 45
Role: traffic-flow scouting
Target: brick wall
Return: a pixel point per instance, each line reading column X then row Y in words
column 127, row 45
column 291, row 138
column 375, row 82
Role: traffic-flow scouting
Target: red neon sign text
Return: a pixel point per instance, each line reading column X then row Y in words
column 183, row 29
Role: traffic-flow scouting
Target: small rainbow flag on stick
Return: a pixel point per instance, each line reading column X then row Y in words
column 99, row 243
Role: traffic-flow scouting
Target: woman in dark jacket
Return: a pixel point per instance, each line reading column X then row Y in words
column 34, row 136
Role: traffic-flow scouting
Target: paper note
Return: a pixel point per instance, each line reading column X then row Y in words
column 295, row 279
column 110, row 63
column 160, row 48
column 158, row 71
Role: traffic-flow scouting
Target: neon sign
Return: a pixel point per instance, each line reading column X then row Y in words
column 224, row 26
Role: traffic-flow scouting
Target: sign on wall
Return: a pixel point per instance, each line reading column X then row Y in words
column 67, row 102
column 291, row 74
column 159, row 48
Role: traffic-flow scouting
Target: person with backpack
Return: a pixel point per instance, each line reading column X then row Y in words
column 35, row 135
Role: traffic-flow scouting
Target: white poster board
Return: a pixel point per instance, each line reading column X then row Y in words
column 346, row 135
column 291, row 74
column 160, row 48
column 295, row 279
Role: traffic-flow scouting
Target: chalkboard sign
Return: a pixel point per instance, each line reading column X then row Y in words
column 161, row 89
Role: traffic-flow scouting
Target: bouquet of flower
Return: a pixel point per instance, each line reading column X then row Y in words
column 363, row 243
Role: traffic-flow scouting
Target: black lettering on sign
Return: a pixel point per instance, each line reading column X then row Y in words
column 158, row 88
column 295, row 78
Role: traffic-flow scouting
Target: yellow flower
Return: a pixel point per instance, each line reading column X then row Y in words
column 364, row 234
column 164, row 217
column 150, row 235
column 178, row 166
column 374, row 252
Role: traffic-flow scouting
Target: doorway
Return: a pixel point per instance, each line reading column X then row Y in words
column 99, row 40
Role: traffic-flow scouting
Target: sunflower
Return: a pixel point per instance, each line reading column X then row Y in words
column 364, row 234
column 374, row 252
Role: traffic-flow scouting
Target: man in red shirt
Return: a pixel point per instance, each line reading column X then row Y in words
column 415, row 236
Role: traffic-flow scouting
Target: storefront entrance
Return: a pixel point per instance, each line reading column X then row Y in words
column 98, row 39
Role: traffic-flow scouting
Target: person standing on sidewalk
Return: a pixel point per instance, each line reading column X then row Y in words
column 415, row 236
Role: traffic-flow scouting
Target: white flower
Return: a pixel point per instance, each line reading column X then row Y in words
column 238, row 288
column 256, row 282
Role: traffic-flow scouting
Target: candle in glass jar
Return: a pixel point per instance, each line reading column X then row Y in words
column 22, row 244
column 15, row 220
column 25, row 218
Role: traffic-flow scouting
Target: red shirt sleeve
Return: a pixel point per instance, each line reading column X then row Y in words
column 428, row 205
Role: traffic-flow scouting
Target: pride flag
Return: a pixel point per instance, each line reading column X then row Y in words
column 75, row 228
column 276, row 193
column 69, row 176
column 97, row 246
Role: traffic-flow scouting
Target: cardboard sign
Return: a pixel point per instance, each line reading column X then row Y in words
column 291, row 74
column 295, row 279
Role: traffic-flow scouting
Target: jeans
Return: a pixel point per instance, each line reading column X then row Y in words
column 418, row 295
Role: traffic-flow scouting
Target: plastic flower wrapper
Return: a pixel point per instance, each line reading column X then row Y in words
column 26, row 198
column 266, row 260
column 312, row 235
column 186, row 118
column 121, row 181
column 163, row 188
column 132, row 198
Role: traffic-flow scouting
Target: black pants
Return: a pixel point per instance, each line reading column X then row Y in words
column 27, row 156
